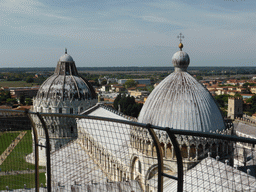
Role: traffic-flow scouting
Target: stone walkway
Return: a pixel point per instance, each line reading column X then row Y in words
column 9, row 149
column 29, row 171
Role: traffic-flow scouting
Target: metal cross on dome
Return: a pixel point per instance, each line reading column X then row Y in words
column 180, row 36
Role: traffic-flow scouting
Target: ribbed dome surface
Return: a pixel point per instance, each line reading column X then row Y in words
column 180, row 102
column 66, row 83
column 62, row 87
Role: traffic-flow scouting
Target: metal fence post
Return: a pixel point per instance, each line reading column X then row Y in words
column 159, row 157
column 48, row 165
column 36, row 151
column 179, row 159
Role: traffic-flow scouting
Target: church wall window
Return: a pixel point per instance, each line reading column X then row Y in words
column 154, row 152
column 139, row 166
column 60, row 110
column 71, row 129
column 169, row 151
column 192, row 152
column 71, row 110
column 184, row 151
column 163, row 149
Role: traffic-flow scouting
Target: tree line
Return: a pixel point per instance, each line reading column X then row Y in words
column 127, row 105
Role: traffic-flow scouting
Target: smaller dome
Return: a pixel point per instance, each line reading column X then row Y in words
column 66, row 58
column 180, row 61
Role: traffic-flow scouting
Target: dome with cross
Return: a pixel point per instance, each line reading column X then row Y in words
column 181, row 102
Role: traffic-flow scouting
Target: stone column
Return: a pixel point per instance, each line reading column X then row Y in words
column 172, row 153
column 165, row 146
column 152, row 149
column 217, row 149
column 197, row 152
column 147, row 146
column 188, row 150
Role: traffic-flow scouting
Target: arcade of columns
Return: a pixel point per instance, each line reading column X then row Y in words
column 109, row 164
column 192, row 148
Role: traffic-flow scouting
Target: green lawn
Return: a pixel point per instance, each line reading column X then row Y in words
column 16, row 160
column 16, row 84
column 6, row 139
column 18, row 181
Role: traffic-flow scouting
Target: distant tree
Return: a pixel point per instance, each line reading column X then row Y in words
column 238, row 95
column 199, row 77
column 224, row 112
column 39, row 80
column 28, row 101
column 130, row 83
column 244, row 77
column 222, row 100
column 11, row 101
column 128, row 106
column 4, row 95
column 29, row 80
column 252, row 101
column 22, row 99
column 116, row 101
column 245, row 85
column 103, row 82
column 150, row 88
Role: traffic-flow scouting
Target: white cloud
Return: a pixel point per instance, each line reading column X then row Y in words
column 155, row 19
column 21, row 6
column 28, row 7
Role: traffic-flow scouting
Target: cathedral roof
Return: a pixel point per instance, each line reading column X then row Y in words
column 66, row 83
column 213, row 175
column 181, row 102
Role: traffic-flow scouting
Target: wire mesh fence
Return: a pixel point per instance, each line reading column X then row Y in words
column 102, row 154
column 215, row 165
column 96, row 155
column 16, row 171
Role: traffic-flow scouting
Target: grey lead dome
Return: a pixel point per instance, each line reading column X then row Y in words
column 181, row 102
column 180, row 61
column 66, row 83
column 66, row 58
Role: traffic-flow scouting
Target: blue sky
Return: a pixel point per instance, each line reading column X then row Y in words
column 102, row 33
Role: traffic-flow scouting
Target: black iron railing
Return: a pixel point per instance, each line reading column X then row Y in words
column 95, row 153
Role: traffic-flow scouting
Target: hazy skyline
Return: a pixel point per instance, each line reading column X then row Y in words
column 34, row 33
